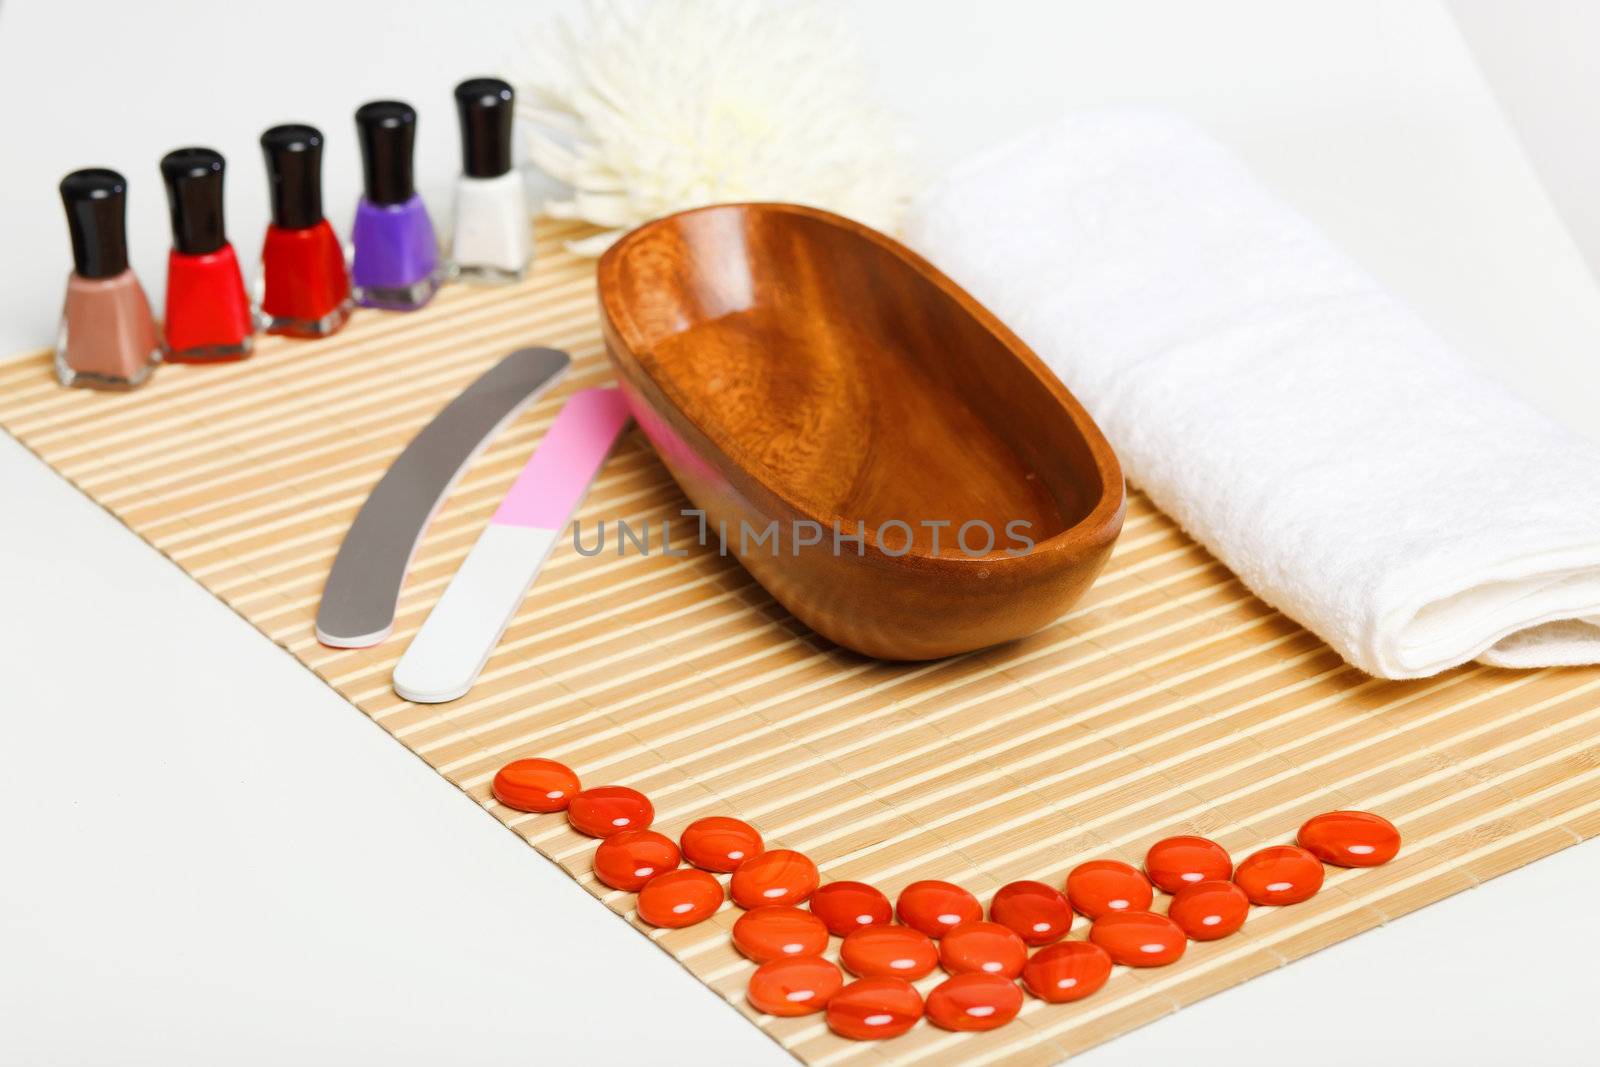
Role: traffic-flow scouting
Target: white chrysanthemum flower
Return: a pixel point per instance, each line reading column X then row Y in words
column 654, row 106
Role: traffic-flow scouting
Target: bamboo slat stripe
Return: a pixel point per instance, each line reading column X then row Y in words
column 285, row 601
column 482, row 777
column 1106, row 786
column 817, row 810
column 815, row 746
column 543, row 632
column 192, row 532
column 341, row 454
column 230, row 530
column 408, row 621
column 1168, row 700
column 150, row 439
column 888, row 874
column 457, row 516
column 477, row 493
column 905, row 677
column 468, row 706
column 342, row 433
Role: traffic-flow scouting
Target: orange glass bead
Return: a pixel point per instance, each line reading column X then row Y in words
column 974, row 1002
column 781, row 876
column 793, row 985
column 987, row 948
column 1035, row 912
column 874, row 1007
column 679, row 898
column 719, row 843
column 889, row 952
column 541, row 785
column 1175, row 862
column 630, row 859
column 1138, row 938
column 1099, row 887
column 847, row 906
column 1350, row 838
column 1282, row 874
column 610, row 809
column 935, row 907
column 778, row 930
column 1068, row 971
column 1206, row 911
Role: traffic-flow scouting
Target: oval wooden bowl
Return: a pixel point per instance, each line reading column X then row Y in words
column 792, row 366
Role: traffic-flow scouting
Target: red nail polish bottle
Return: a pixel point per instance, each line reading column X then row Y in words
column 208, row 314
column 306, row 285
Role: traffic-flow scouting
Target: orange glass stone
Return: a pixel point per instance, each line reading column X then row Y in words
column 719, row 843
column 610, row 809
column 1350, row 838
column 1138, row 938
column 987, row 948
column 630, row 859
column 847, row 906
column 935, row 907
column 1175, row 862
column 871, row 1008
column 1068, row 971
column 1206, row 911
column 974, row 1002
column 679, row 898
column 793, row 985
column 1099, row 887
column 778, row 930
column 541, row 785
column 782, row 876
column 889, row 952
column 1282, row 874
column 1035, row 912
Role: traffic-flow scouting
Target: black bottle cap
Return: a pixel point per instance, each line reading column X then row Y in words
column 294, row 175
column 485, row 106
column 96, row 203
column 194, row 194
column 388, row 130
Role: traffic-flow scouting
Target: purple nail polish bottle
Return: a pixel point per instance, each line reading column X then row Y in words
column 396, row 253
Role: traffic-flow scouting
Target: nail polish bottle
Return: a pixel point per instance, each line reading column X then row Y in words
column 305, row 285
column 208, row 314
column 492, row 240
column 107, row 339
column 396, row 252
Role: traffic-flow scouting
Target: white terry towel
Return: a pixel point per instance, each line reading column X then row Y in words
column 1294, row 417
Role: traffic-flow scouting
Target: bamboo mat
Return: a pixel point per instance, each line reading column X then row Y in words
column 1169, row 701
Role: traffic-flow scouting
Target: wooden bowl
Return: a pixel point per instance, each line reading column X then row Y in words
column 795, row 368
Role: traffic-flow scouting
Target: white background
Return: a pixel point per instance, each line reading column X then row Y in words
column 211, row 858
column 1541, row 61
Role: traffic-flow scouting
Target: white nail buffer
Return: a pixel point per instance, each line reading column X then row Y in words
column 465, row 625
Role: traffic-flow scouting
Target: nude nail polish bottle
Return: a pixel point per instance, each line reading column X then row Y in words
column 108, row 338
column 396, row 264
column 493, row 240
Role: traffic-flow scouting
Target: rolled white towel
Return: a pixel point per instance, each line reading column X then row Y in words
column 1269, row 395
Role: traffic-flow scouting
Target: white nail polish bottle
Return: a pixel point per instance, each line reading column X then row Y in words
column 493, row 238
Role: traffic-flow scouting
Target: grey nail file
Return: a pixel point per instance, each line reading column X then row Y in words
column 358, row 601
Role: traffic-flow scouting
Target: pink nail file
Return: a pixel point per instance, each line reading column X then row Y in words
column 465, row 625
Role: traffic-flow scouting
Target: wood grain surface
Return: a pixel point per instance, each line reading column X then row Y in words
column 801, row 373
column 1167, row 700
